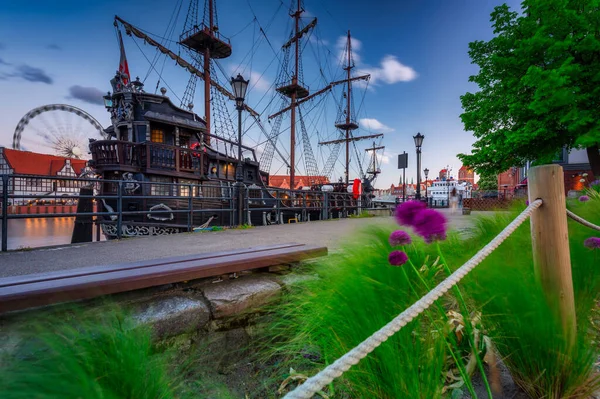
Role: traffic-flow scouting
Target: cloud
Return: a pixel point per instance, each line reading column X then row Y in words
column 257, row 82
column 89, row 95
column 341, row 43
column 383, row 159
column 53, row 47
column 2, row 62
column 32, row 74
column 375, row 126
column 390, row 71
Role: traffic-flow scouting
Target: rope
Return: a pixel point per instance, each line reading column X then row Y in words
column 343, row 364
column 582, row 220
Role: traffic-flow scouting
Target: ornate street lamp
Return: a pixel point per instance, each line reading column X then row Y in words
column 418, row 143
column 426, row 172
column 239, row 86
column 108, row 101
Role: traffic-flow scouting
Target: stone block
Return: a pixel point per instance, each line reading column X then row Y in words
column 172, row 315
column 232, row 297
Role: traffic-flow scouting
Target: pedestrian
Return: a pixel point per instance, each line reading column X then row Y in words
column 453, row 200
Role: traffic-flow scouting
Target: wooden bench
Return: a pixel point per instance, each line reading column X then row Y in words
column 33, row 290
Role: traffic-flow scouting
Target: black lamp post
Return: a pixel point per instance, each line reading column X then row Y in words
column 239, row 86
column 426, row 172
column 418, row 143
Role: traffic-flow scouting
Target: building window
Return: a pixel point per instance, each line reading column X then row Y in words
column 160, row 189
column 157, row 136
column 184, row 188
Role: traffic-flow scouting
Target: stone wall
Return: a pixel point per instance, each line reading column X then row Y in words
column 180, row 313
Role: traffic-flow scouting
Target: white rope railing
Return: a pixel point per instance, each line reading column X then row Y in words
column 582, row 220
column 343, row 364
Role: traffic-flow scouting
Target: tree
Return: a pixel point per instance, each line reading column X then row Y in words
column 539, row 82
column 488, row 182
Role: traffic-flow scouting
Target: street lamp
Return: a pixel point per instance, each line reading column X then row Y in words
column 426, row 172
column 239, row 86
column 108, row 100
column 418, row 143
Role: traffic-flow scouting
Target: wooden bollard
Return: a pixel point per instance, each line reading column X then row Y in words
column 550, row 242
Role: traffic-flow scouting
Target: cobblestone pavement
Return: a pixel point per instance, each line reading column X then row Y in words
column 328, row 233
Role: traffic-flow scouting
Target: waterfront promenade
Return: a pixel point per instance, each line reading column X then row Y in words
column 330, row 233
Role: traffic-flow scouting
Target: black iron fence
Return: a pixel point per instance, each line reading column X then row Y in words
column 127, row 207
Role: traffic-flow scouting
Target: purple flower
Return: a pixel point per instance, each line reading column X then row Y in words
column 527, row 202
column 595, row 183
column 431, row 225
column 397, row 258
column 406, row 212
column 399, row 237
column 584, row 198
column 592, row 242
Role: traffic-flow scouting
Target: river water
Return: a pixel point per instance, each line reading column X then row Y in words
column 40, row 232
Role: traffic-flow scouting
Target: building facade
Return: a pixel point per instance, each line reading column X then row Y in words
column 38, row 176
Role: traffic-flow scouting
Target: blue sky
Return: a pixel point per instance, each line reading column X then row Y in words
column 416, row 51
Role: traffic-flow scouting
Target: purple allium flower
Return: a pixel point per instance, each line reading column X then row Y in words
column 399, row 237
column 592, row 242
column 584, row 198
column 595, row 183
column 431, row 225
column 397, row 258
column 406, row 212
column 527, row 202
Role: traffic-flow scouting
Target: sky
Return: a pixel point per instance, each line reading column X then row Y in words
column 416, row 51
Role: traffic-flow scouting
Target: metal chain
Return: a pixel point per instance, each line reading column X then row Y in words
column 343, row 364
column 582, row 220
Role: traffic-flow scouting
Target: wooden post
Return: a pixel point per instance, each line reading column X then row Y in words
column 550, row 242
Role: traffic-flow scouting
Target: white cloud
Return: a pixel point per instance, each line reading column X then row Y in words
column 390, row 71
column 341, row 47
column 374, row 125
column 383, row 159
column 258, row 82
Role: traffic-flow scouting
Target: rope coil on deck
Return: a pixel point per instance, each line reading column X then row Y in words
column 581, row 220
column 343, row 364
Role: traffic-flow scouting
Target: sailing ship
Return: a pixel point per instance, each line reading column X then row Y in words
column 168, row 170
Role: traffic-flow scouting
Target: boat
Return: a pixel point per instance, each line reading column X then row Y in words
column 166, row 170
column 439, row 192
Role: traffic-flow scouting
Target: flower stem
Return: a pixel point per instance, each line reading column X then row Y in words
column 468, row 326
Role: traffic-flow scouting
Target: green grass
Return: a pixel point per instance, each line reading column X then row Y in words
column 93, row 359
column 359, row 292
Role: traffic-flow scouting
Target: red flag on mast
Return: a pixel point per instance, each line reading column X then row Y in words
column 123, row 66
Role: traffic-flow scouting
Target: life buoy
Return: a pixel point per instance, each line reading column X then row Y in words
column 356, row 188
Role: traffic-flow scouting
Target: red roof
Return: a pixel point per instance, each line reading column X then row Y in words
column 31, row 163
column 283, row 181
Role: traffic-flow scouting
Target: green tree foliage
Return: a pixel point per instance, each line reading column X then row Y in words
column 488, row 182
column 539, row 82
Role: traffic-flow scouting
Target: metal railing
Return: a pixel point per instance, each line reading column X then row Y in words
column 122, row 208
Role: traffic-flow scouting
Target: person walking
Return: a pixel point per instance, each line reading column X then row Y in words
column 453, row 200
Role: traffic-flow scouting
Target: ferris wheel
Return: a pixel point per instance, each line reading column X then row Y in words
column 57, row 129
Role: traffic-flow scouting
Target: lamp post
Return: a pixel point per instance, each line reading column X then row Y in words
column 426, row 172
column 239, row 86
column 418, row 143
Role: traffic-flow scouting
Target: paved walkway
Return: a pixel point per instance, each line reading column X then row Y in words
column 328, row 233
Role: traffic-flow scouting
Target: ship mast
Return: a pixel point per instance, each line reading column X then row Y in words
column 374, row 170
column 205, row 40
column 294, row 89
column 349, row 124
